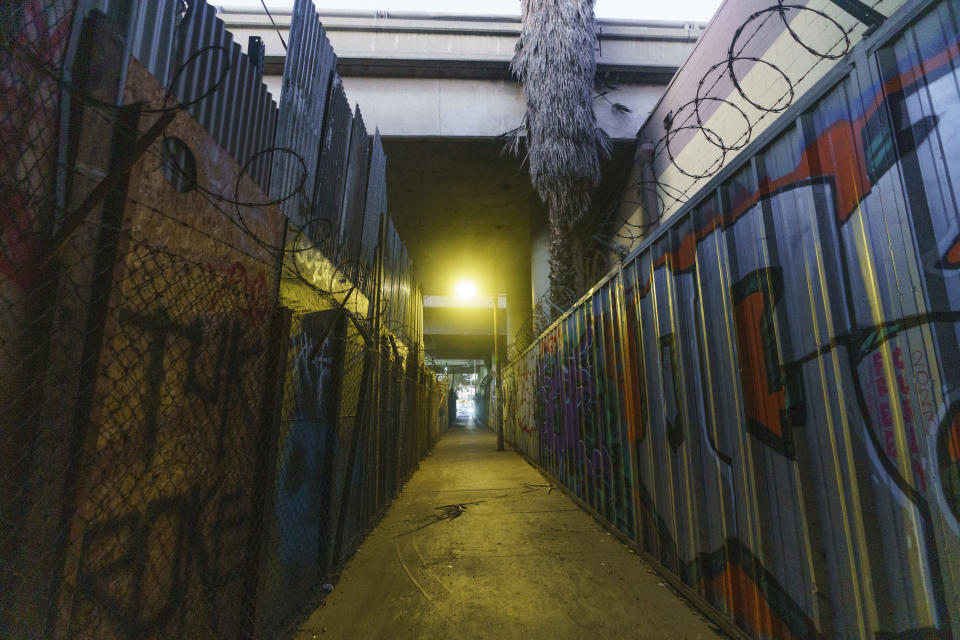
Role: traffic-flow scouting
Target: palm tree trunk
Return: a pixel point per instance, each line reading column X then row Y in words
column 556, row 62
column 563, row 275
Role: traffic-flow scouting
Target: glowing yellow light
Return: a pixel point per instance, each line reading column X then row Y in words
column 466, row 290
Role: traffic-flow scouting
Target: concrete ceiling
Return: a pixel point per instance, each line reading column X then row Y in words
column 439, row 345
column 464, row 210
column 462, row 332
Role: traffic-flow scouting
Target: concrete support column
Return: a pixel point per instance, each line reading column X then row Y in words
column 519, row 307
column 539, row 259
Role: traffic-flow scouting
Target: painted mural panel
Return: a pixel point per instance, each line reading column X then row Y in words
column 299, row 535
column 774, row 379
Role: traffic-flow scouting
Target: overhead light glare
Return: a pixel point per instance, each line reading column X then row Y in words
column 466, row 290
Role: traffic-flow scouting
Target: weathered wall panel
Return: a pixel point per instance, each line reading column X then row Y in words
column 156, row 532
column 36, row 36
column 773, row 379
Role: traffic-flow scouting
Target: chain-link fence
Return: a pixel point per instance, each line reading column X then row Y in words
column 346, row 444
column 183, row 457
column 29, row 134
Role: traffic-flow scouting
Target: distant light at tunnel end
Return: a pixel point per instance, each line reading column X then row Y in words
column 466, row 290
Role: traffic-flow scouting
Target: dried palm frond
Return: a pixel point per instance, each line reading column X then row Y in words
column 555, row 61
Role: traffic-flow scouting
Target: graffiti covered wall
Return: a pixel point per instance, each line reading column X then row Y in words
column 766, row 397
column 164, row 501
column 189, row 420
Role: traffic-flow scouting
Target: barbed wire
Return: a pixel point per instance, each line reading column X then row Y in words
column 689, row 117
column 615, row 232
column 315, row 233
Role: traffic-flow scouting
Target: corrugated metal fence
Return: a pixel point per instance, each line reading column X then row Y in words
column 766, row 396
column 188, row 49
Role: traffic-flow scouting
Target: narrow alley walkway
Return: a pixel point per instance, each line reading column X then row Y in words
column 521, row 561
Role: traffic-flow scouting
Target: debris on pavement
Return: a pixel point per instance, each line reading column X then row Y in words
column 454, row 511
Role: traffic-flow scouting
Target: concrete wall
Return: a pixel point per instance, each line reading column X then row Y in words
column 450, row 107
column 765, row 398
column 456, row 320
column 540, row 263
column 448, row 76
column 365, row 37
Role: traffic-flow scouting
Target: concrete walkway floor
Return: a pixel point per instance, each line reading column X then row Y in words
column 519, row 562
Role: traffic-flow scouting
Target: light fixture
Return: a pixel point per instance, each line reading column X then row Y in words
column 466, row 290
